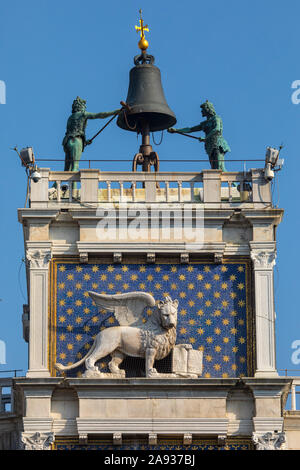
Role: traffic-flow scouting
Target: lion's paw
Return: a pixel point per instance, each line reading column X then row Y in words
column 152, row 373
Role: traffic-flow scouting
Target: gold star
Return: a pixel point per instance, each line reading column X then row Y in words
column 78, row 269
column 110, row 269
column 62, row 268
column 61, row 285
column 217, row 313
column 95, row 269
column 62, row 319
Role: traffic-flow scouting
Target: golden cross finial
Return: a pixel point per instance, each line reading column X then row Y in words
column 143, row 43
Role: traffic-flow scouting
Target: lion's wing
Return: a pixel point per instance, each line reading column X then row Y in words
column 127, row 307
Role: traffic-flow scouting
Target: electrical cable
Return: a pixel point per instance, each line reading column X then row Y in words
column 19, row 280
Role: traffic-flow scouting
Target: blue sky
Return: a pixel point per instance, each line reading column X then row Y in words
column 241, row 55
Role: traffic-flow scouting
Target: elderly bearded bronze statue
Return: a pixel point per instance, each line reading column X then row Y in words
column 214, row 142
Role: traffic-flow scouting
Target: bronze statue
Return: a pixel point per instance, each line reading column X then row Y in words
column 215, row 145
column 75, row 141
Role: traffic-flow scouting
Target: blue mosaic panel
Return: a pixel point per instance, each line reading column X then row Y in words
column 212, row 314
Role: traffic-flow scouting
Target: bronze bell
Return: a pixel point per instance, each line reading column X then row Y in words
column 147, row 100
column 148, row 110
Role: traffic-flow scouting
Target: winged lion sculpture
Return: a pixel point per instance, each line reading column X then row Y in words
column 153, row 339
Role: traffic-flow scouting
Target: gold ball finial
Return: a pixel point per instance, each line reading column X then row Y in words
column 143, row 43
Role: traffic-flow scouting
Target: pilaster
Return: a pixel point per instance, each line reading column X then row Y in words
column 263, row 255
column 38, row 256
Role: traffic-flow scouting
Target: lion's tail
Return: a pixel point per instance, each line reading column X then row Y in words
column 62, row 368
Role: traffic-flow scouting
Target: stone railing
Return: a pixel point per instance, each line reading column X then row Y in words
column 93, row 187
column 5, row 396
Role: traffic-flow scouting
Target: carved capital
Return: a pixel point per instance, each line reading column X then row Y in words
column 84, row 258
column 152, row 439
column 117, row 439
column 150, row 258
column 37, row 441
column 38, row 258
column 218, row 257
column 187, row 439
column 184, row 258
column 269, row 441
column 117, row 257
column 263, row 259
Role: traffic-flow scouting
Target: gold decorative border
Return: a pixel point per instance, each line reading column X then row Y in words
column 238, row 441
